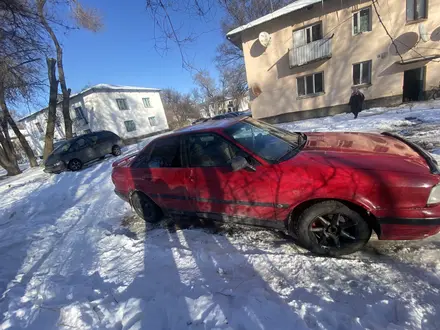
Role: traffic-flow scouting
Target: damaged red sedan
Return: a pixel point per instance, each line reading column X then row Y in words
column 329, row 190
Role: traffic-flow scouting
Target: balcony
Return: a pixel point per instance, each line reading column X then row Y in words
column 314, row 51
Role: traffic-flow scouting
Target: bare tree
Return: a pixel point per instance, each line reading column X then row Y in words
column 21, row 45
column 86, row 18
column 212, row 94
column 229, row 59
column 52, row 109
column 180, row 109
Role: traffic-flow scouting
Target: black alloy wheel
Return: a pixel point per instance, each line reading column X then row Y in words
column 332, row 228
column 75, row 165
column 116, row 151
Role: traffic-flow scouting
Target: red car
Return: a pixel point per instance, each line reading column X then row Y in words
column 329, row 190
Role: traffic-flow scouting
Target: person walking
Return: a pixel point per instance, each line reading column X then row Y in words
column 356, row 102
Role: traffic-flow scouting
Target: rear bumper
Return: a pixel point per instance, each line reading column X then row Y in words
column 122, row 196
column 408, row 228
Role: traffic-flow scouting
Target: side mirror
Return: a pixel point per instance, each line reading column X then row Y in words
column 238, row 163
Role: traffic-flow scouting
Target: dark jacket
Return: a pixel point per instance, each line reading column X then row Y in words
column 356, row 102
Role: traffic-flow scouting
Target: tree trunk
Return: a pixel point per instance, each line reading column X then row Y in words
column 24, row 143
column 61, row 76
column 52, row 109
column 7, row 159
column 10, row 168
column 5, row 140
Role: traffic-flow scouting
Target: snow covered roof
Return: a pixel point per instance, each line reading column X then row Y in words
column 117, row 87
column 294, row 6
column 101, row 87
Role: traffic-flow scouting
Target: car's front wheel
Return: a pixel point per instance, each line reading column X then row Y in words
column 75, row 165
column 116, row 151
column 145, row 207
column 331, row 228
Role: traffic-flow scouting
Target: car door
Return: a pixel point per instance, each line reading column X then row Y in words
column 244, row 196
column 158, row 172
column 83, row 150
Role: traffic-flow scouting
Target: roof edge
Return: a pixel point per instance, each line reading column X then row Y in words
column 290, row 8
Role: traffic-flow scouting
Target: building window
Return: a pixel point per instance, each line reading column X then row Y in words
column 415, row 9
column 79, row 113
column 40, row 129
column 146, row 101
column 122, row 104
column 130, row 126
column 153, row 121
column 307, row 35
column 362, row 73
column 309, row 85
column 362, row 21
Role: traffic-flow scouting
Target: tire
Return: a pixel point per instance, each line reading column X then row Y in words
column 75, row 165
column 116, row 151
column 331, row 228
column 145, row 208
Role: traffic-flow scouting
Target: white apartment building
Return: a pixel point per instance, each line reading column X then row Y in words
column 130, row 112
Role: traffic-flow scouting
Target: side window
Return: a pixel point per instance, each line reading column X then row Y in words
column 94, row 139
column 165, row 153
column 79, row 144
column 210, row 150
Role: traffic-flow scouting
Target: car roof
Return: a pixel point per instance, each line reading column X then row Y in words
column 85, row 135
column 207, row 126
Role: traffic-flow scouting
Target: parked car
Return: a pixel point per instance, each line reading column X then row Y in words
column 199, row 121
column 329, row 190
column 231, row 115
column 74, row 153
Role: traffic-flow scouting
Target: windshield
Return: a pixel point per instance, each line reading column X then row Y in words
column 61, row 147
column 267, row 141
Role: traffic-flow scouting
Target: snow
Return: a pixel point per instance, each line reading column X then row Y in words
column 294, row 6
column 74, row 256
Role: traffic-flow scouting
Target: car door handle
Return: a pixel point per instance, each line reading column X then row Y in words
column 147, row 178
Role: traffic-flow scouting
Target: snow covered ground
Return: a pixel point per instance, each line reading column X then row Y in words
column 75, row 257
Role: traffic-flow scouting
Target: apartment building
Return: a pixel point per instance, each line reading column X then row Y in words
column 130, row 112
column 319, row 50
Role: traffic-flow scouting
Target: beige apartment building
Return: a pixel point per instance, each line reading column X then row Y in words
column 320, row 50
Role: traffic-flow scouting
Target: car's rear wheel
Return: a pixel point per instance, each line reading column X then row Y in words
column 116, row 151
column 145, row 207
column 75, row 165
column 331, row 228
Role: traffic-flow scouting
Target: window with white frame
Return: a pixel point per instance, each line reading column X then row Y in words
column 122, row 104
column 311, row 84
column 146, row 101
column 307, row 35
column 130, row 125
column 362, row 73
column 153, row 121
column 362, row 21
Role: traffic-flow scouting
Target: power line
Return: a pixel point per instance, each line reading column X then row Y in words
column 386, row 30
